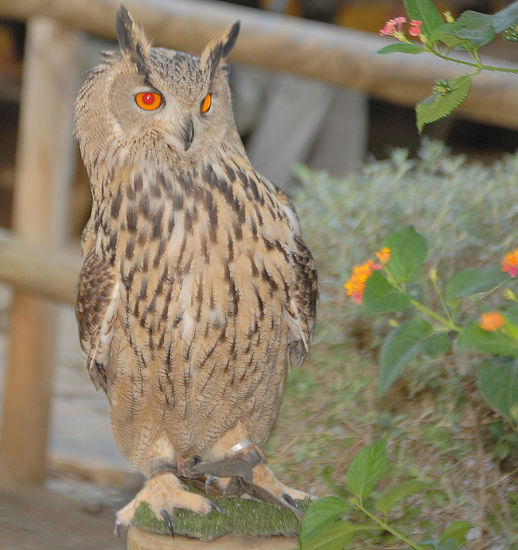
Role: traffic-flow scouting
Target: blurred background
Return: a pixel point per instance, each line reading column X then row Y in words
column 55, row 428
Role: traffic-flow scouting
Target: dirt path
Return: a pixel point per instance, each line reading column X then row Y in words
column 39, row 519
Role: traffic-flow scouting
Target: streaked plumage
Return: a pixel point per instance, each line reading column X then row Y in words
column 196, row 284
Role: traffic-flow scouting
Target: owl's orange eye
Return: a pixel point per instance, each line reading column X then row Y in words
column 206, row 102
column 149, row 101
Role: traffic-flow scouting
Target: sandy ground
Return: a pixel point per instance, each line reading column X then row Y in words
column 40, row 519
column 88, row 479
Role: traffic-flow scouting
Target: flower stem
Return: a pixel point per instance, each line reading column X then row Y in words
column 443, row 320
column 385, row 526
column 480, row 66
column 445, row 307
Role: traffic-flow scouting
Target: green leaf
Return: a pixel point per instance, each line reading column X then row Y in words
column 334, row 537
column 438, row 106
column 498, row 383
column 391, row 497
column 508, row 17
column 436, row 345
column 491, row 342
column 321, row 514
column 401, row 47
column 477, row 28
column 456, row 531
column 408, row 251
column 443, row 34
column 512, row 313
column 400, row 346
column 366, row 469
column 473, row 281
column 425, row 11
column 380, row 296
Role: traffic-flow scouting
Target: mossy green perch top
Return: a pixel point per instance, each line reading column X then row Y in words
column 238, row 516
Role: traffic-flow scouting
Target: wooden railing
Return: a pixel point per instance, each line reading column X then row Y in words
column 325, row 52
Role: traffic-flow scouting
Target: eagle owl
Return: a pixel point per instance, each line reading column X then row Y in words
column 196, row 286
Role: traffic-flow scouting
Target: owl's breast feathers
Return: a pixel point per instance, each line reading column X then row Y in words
column 205, row 277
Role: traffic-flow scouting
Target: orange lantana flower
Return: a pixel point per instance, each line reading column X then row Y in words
column 510, row 263
column 491, row 321
column 356, row 284
column 383, row 255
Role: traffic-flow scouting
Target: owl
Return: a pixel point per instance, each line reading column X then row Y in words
column 196, row 287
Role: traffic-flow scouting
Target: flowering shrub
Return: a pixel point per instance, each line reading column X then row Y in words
column 393, row 287
column 326, row 524
column 438, row 36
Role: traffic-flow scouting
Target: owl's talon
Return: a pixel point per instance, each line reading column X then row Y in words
column 121, row 532
column 287, row 499
column 208, row 482
column 167, row 518
column 215, row 507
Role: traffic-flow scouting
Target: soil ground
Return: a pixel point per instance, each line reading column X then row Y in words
column 40, row 519
column 87, row 478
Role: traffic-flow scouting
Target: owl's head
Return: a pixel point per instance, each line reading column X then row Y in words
column 145, row 102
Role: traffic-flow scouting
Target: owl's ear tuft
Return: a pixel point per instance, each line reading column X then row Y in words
column 132, row 40
column 218, row 49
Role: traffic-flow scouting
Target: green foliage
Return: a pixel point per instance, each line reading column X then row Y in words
column 474, row 29
column 322, row 514
column 498, row 382
column 469, row 216
column 400, row 346
column 473, row 281
column 390, row 498
column 492, row 343
column 401, row 48
column 326, row 525
column 415, row 336
column 382, row 297
column 440, row 105
column 505, row 443
column 425, row 11
column 366, row 469
column 471, row 31
column 408, row 252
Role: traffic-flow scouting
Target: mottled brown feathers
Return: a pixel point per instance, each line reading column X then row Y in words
column 196, row 285
column 96, row 301
column 132, row 40
column 218, row 49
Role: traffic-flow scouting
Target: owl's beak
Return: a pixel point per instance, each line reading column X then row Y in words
column 188, row 133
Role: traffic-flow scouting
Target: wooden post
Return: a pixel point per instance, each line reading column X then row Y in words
column 43, row 173
column 145, row 540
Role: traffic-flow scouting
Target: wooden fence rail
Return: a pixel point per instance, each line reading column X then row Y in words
column 48, row 273
column 316, row 50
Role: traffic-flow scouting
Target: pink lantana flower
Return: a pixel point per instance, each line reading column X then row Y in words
column 415, row 27
column 510, row 263
column 393, row 27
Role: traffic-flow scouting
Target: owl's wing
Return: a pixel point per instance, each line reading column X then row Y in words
column 304, row 293
column 96, row 309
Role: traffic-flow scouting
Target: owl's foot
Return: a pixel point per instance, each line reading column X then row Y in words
column 264, row 477
column 163, row 493
column 258, row 481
